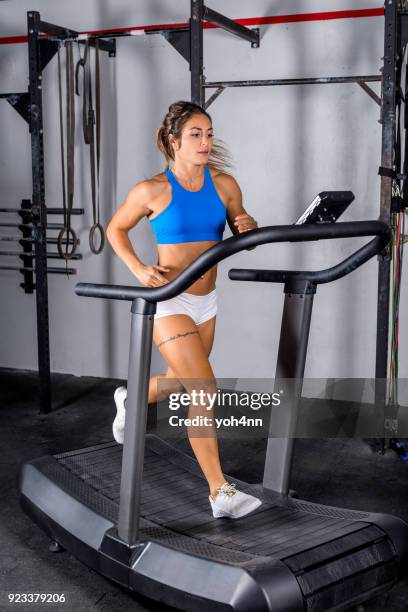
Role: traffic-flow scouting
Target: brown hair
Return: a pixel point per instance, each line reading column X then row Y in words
column 173, row 123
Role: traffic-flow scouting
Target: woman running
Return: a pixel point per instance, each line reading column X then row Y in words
column 188, row 206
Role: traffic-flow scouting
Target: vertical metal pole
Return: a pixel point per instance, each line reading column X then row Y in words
column 136, row 416
column 405, row 142
column 28, row 284
column 297, row 313
column 38, row 208
column 196, row 52
column 387, row 161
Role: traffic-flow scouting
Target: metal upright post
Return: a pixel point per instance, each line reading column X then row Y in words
column 39, row 212
column 196, row 52
column 297, row 313
column 387, row 162
column 140, row 351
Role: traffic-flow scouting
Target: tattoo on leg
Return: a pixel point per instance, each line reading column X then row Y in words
column 177, row 336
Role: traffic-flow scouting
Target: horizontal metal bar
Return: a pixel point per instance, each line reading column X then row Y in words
column 50, row 211
column 15, row 254
column 60, row 211
column 248, row 21
column 7, row 95
column 50, row 226
column 70, row 271
column 18, row 225
column 57, row 256
column 55, row 30
column 300, row 81
column 104, row 45
column 13, row 210
column 231, row 26
column 32, row 255
column 160, row 30
column 55, row 241
column 48, row 240
column 54, row 226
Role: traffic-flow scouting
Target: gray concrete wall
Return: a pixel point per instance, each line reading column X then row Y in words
column 288, row 144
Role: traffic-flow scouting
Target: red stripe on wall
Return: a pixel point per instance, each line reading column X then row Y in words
column 351, row 14
column 250, row 21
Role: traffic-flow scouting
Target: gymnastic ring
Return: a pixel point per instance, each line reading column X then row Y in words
column 96, row 227
column 67, row 233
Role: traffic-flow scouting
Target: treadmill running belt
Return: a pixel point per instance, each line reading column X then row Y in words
column 175, row 497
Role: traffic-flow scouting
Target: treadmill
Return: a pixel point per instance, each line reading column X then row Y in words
column 118, row 509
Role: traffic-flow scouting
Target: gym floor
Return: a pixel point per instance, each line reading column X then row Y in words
column 341, row 472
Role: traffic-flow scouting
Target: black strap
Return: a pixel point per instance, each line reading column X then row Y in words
column 97, row 225
column 392, row 174
column 81, row 63
column 90, row 124
column 405, row 165
column 61, row 120
column 67, row 235
column 382, row 171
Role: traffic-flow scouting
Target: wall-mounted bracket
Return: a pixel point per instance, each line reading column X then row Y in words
column 180, row 40
column 214, row 96
column 370, row 92
column 231, row 26
column 20, row 103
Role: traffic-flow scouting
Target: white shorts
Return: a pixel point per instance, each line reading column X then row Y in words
column 200, row 308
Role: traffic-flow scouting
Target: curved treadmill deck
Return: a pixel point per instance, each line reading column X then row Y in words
column 287, row 555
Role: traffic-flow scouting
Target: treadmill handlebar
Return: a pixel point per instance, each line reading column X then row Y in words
column 253, row 238
column 354, row 261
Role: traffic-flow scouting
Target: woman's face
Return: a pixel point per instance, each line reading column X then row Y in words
column 196, row 140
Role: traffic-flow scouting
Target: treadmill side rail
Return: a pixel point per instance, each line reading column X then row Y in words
column 195, row 583
column 48, row 497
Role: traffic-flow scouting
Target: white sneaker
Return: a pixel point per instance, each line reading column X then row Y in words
column 118, row 425
column 232, row 503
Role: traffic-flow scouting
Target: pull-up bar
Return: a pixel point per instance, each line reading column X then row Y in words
column 250, row 21
column 361, row 80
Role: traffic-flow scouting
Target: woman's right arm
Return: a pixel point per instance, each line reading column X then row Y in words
column 134, row 208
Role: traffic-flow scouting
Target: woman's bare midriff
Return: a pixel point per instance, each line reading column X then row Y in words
column 178, row 257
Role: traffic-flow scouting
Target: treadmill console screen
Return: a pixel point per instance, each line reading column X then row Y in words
column 326, row 207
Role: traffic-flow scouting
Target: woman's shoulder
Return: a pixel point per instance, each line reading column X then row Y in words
column 154, row 186
column 159, row 181
column 224, row 180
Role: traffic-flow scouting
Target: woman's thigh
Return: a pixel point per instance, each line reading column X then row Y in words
column 184, row 346
column 185, row 351
column 207, row 331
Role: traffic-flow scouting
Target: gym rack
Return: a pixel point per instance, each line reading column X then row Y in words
column 187, row 39
column 43, row 42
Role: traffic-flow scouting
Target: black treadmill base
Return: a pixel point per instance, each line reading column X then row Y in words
column 288, row 556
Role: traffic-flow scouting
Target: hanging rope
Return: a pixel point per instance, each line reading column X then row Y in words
column 67, row 235
column 91, row 132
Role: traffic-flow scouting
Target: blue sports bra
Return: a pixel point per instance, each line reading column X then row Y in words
column 191, row 216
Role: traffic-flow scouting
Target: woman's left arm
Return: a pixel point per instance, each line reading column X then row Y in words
column 238, row 219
